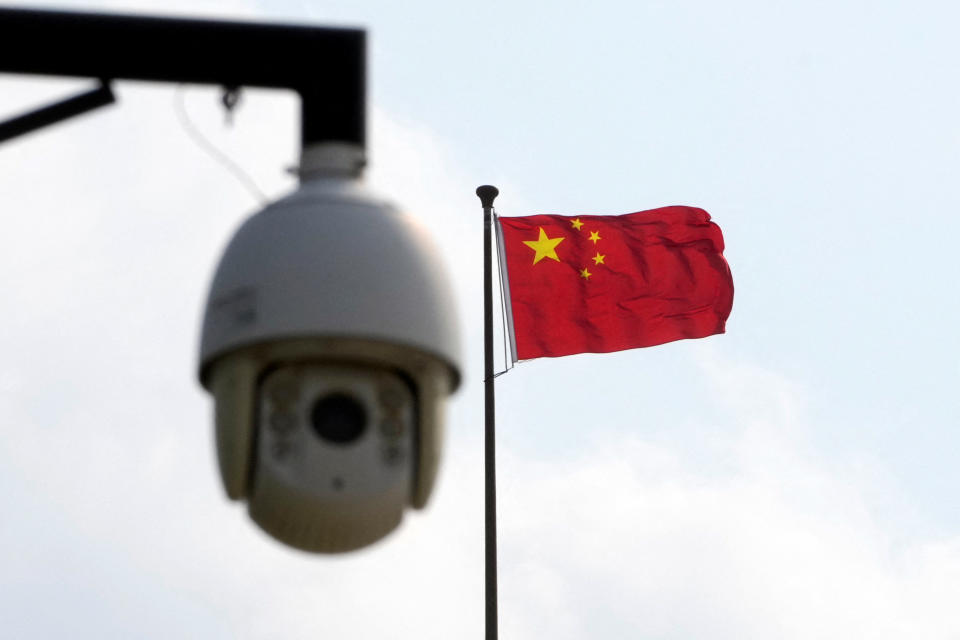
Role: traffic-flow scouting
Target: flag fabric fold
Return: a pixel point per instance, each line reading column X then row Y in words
column 595, row 284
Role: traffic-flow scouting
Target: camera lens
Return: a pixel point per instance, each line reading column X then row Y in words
column 338, row 418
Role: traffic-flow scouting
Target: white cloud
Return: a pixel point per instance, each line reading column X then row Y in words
column 632, row 537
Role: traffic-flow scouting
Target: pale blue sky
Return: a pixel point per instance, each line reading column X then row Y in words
column 793, row 478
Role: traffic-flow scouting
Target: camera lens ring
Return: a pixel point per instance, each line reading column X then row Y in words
column 338, row 418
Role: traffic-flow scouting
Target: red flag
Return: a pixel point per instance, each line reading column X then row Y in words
column 606, row 283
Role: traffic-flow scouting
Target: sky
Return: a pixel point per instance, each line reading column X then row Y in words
column 792, row 478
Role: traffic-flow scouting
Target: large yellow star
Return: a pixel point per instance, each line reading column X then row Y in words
column 544, row 247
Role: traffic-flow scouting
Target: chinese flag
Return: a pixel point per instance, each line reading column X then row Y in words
column 594, row 284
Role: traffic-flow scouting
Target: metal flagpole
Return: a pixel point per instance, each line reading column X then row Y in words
column 487, row 194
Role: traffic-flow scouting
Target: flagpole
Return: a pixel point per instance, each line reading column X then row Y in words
column 487, row 194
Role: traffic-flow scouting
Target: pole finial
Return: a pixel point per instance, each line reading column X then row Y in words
column 487, row 193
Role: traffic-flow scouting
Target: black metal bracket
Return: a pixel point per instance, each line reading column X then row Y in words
column 325, row 66
column 57, row 112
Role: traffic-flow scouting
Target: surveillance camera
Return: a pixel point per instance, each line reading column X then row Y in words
column 329, row 345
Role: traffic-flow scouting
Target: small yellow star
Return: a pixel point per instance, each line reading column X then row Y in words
column 598, row 259
column 585, row 274
column 576, row 223
column 544, row 247
column 594, row 236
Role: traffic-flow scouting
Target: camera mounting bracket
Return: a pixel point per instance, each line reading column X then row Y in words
column 325, row 66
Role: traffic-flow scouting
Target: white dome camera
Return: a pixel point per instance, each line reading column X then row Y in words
column 329, row 345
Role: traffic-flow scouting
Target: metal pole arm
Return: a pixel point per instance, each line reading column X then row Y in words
column 326, row 66
column 56, row 112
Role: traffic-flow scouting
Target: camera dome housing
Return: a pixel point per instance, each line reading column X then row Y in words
column 328, row 279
